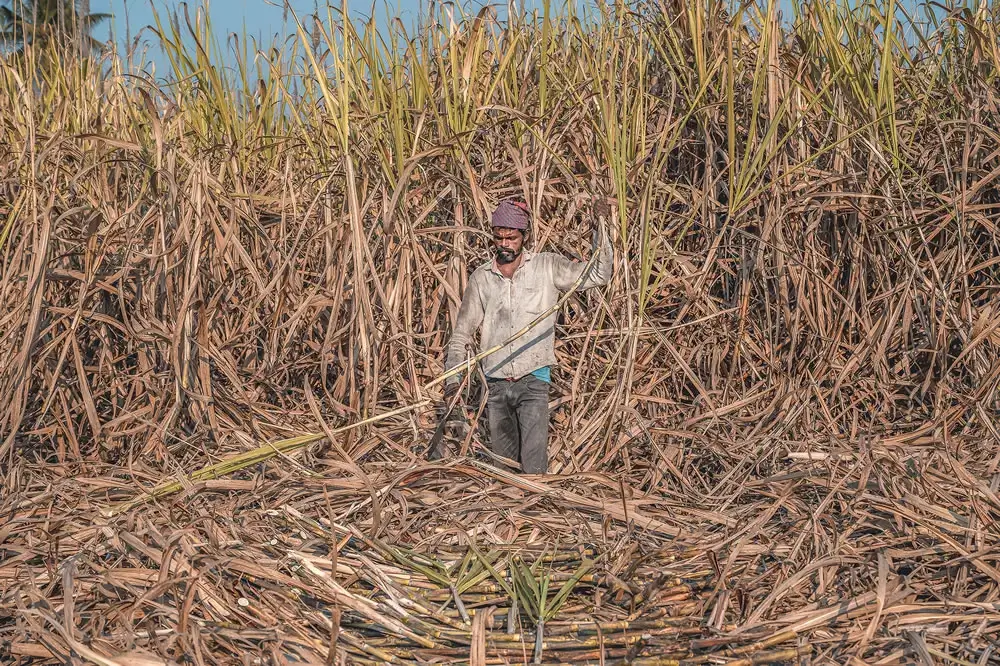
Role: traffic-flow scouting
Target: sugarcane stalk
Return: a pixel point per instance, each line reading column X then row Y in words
column 359, row 644
column 459, row 605
column 557, row 629
column 437, row 615
column 788, row 654
column 539, row 637
column 771, row 641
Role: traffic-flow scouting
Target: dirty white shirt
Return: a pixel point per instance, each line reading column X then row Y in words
column 505, row 306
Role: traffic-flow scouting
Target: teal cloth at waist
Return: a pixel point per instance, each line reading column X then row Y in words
column 544, row 373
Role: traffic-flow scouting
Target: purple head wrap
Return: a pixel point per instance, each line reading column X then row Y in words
column 511, row 215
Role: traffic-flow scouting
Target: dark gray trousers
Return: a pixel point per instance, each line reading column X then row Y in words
column 519, row 421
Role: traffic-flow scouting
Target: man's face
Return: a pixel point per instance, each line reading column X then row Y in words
column 508, row 244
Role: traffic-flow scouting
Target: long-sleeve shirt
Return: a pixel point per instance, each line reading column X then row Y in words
column 504, row 306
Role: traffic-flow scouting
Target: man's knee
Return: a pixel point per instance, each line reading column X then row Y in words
column 505, row 434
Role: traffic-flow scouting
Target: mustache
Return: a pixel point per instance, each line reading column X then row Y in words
column 506, row 255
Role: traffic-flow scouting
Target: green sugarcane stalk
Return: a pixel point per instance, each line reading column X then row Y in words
column 459, row 605
column 539, row 633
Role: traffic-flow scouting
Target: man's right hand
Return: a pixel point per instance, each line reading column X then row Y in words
column 456, row 415
column 452, row 421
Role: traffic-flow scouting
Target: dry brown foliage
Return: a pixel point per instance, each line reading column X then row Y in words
column 774, row 434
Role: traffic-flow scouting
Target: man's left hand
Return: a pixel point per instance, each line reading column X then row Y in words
column 601, row 218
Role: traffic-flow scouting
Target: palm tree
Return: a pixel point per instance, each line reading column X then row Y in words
column 26, row 23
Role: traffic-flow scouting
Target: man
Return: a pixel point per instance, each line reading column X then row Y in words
column 503, row 296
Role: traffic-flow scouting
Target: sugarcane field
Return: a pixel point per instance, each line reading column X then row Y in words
column 655, row 333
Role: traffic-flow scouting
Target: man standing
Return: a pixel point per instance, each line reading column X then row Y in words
column 503, row 296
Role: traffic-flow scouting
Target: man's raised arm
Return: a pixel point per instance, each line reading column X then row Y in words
column 565, row 272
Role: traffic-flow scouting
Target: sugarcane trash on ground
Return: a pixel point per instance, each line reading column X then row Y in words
column 500, row 567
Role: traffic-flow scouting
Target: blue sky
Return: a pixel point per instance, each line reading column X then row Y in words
column 263, row 19
column 259, row 16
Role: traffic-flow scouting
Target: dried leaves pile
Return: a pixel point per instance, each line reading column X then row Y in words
column 874, row 554
column 773, row 434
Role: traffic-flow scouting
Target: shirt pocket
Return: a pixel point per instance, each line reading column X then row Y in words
column 532, row 300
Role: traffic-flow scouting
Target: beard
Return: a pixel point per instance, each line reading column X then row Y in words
column 506, row 256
